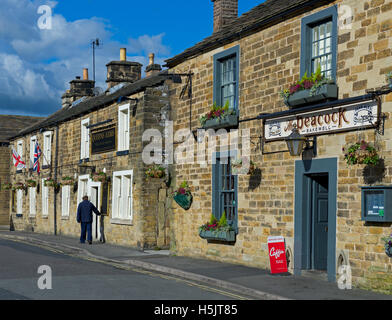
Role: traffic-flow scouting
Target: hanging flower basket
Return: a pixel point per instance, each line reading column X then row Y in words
column 19, row 186
column 361, row 153
column 67, row 181
column 98, row 177
column 313, row 89
column 217, row 230
column 156, row 172
column 7, row 186
column 388, row 245
column 31, row 183
column 183, row 196
column 219, row 117
column 389, row 79
column 243, row 166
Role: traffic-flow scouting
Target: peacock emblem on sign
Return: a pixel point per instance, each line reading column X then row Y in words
column 274, row 129
column 363, row 114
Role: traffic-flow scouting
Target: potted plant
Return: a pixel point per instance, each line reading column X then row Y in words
column 243, row 166
column 155, row 171
column 219, row 117
column 388, row 245
column 217, row 230
column 67, row 181
column 361, row 153
column 31, row 183
column 183, row 196
column 310, row 89
column 98, row 176
column 389, row 79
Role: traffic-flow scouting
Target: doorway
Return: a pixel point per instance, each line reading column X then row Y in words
column 318, row 220
column 94, row 190
column 315, row 216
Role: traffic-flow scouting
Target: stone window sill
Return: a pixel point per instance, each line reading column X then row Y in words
column 121, row 221
column 65, row 218
column 45, row 217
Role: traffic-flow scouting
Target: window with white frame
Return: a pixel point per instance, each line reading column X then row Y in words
column 32, row 198
column 47, row 152
column 19, row 202
column 65, row 200
column 122, row 195
column 85, row 139
column 19, row 148
column 33, row 140
column 123, row 128
column 45, row 199
column 82, row 187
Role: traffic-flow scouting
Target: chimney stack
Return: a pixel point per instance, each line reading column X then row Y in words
column 123, row 70
column 152, row 67
column 78, row 89
column 225, row 11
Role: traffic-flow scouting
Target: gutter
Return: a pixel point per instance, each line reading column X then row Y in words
column 55, row 180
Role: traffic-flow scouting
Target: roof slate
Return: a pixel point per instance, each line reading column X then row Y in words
column 261, row 16
column 92, row 103
column 10, row 125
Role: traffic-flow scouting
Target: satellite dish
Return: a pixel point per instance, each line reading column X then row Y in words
column 98, row 91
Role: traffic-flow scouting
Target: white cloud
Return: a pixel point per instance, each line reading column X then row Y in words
column 37, row 65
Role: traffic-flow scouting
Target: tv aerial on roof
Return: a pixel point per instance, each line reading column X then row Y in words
column 96, row 43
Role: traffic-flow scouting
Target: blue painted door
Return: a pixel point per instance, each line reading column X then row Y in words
column 319, row 217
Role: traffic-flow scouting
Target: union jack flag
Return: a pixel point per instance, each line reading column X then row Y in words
column 37, row 155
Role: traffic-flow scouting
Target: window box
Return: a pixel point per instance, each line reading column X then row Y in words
column 303, row 97
column 224, row 122
column 228, row 236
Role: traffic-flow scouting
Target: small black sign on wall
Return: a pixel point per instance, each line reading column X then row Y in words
column 103, row 140
column 105, row 198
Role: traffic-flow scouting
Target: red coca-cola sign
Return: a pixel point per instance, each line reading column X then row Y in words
column 277, row 254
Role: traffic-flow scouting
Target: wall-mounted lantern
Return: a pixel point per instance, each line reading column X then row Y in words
column 296, row 142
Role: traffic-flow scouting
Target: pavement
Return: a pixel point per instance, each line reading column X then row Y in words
column 253, row 282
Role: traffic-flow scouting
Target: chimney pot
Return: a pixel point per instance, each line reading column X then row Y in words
column 77, row 78
column 123, row 54
column 85, row 74
column 151, row 57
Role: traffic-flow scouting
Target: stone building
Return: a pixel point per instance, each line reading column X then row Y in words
column 9, row 126
column 313, row 200
column 93, row 146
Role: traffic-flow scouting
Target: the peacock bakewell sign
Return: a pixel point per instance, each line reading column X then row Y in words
column 323, row 121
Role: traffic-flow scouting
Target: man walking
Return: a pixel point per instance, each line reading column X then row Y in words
column 85, row 218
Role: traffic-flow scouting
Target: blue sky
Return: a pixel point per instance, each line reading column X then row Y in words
column 36, row 65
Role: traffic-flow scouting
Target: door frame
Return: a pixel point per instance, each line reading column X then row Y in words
column 304, row 168
column 90, row 185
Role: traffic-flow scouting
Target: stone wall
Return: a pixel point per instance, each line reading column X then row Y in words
column 5, row 159
column 146, row 227
column 270, row 62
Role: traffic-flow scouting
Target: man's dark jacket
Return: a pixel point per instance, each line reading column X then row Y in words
column 85, row 211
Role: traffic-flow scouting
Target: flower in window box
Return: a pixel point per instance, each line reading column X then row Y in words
column 155, row 171
column 31, row 183
column 217, row 230
column 361, row 153
column 183, row 196
column 98, row 176
column 310, row 89
column 219, row 116
column 243, row 166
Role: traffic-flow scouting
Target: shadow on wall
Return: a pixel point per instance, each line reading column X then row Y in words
column 374, row 174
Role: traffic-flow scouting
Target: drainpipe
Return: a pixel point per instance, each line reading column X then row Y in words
column 55, row 179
